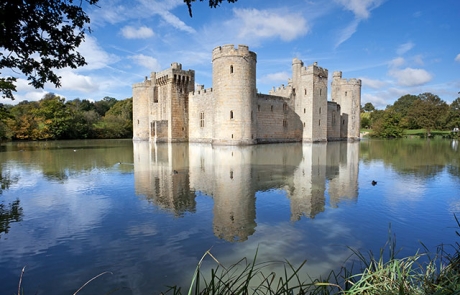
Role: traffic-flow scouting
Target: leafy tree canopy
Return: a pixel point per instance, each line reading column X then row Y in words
column 429, row 111
column 212, row 4
column 369, row 107
column 38, row 37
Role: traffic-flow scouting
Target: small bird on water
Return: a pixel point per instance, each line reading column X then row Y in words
column 374, row 182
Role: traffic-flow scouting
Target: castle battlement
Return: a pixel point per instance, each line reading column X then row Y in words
column 337, row 79
column 230, row 50
column 201, row 91
column 315, row 70
column 284, row 91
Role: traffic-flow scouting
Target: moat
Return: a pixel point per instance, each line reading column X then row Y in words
column 70, row 210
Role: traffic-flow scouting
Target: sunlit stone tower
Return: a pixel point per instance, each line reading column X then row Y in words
column 234, row 82
column 347, row 93
column 310, row 86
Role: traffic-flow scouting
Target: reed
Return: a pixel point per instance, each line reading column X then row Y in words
column 422, row 273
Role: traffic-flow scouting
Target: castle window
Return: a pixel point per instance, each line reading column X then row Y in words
column 201, row 119
column 320, row 110
column 320, row 92
column 304, row 110
column 155, row 97
column 319, row 122
column 231, row 174
column 252, row 119
column 271, row 108
column 305, row 91
column 231, row 115
column 285, row 107
column 137, row 122
column 231, row 69
column 285, row 123
column 343, row 122
column 345, row 93
column 303, row 124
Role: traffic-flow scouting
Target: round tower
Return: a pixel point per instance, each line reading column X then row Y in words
column 141, row 128
column 234, row 87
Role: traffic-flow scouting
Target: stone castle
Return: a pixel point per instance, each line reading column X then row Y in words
column 168, row 108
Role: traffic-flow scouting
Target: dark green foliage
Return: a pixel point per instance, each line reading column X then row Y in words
column 54, row 118
column 429, row 112
column 387, row 125
column 49, row 29
column 425, row 111
column 368, row 107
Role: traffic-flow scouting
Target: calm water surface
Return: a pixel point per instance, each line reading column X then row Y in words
column 70, row 210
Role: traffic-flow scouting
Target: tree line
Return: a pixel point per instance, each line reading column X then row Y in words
column 53, row 117
column 424, row 111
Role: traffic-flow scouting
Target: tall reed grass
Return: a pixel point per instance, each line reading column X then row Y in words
column 422, row 273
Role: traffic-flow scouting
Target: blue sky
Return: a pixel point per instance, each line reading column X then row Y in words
column 395, row 47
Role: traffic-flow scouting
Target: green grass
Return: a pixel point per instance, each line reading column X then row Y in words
column 422, row 273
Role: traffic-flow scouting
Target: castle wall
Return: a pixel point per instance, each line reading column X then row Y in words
column 201, row 115
column 276, row 120
column 333, row 121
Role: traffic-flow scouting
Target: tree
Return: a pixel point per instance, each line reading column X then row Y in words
column 39, row 36
column 429, row 111
column 453, row 117
column 102, row 106
column 212, row 4
column 387, row 125
column 369, row 107
column 402, row 106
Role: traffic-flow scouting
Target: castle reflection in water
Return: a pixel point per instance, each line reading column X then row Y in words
column 169, row 175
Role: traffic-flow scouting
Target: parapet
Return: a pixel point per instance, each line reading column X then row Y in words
column 337, row 79
column 230, row 50
column 316, row 70
column 176, row 66
column 200, row 90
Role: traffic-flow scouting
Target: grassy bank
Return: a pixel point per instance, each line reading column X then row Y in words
column 423, row 273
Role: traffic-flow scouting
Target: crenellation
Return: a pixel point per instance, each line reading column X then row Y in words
column 170, row 107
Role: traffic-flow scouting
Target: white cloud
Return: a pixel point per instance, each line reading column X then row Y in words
column 175, row 22
column 403, row 48
column 360, row 8
column 143, row 32
column 147, row 61
column 276, row 77
column 457, row 58
column 72, row 81
column 410, row 76
column 418, row 59
column 260, row 24
column 95, row 56
column 397, row 62
column 372, row 83
column 347, row 32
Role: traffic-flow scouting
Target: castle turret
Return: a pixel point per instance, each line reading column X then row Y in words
column 234, row 84
column 347, row 93
column 141, row 98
